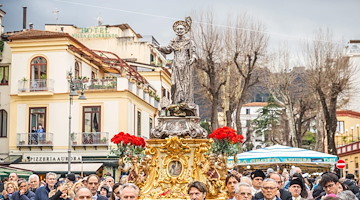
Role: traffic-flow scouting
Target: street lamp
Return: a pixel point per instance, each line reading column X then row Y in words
column 71, row 95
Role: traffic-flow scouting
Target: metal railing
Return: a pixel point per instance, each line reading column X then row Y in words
column 34, row 139
column 96, row 84
column 36, row 85
column 90, row 139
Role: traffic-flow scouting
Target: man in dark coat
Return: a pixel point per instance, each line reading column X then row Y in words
column 42, row 193
column 24, row 193
column 284, row 195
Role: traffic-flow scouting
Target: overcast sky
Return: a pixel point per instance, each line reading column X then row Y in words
column 286, row 20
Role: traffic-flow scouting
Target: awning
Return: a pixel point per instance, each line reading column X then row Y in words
column 283, row 154
column 5, row 170
column 60, row 167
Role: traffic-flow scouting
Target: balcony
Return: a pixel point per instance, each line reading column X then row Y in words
column 38, row 140
column 96, row 84
column 36, row 85
column 93, row 139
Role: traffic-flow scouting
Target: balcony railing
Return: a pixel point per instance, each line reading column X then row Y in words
column 36, row 85
column 34, row 139
column 96, row 84
column 90, row 139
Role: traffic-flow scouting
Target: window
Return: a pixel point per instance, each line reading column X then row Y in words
column 340, row 127
column 37, row 118
column 91, row 119
column 138, row 123
column 150, row 124
column 38, row 68
column 77, row 69
column 248, row 123
column 3, row 123
column 356, row 162
column 163, row 92
column 4, row 75
column 248, row 111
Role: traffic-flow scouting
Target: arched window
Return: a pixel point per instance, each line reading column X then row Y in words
column 77, row 69
column 3, row 123
column 38, row 68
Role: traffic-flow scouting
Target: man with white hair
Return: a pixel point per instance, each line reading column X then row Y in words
column 129, row 191
column 243, row 191
column 246, row 179
column 34, row 182
column 42, row 193
column 269, row 189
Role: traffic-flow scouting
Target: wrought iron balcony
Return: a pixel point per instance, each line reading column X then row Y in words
column 96, row 84
column 34, row 140
column 36, row 85
column 90, row 139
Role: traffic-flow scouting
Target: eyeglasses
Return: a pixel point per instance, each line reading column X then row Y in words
column 258, row 179
column 269, row 188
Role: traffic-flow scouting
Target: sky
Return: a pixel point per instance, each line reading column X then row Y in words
column 286, row 21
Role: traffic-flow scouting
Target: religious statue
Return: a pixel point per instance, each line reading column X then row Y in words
column 180, row 117
column 184, row 56
column 212, row 174
column 133, row 169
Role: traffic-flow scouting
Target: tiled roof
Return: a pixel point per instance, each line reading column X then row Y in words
column 255, row 104
column 347, row 113
column 37, row 34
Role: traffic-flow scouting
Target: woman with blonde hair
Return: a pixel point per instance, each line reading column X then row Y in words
column 9, row 189
column 76, row 186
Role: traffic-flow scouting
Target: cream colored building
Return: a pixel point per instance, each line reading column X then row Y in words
column 130, row 46
column 5, row 60
column 118, row 99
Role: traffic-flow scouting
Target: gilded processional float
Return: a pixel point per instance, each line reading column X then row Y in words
column 178, row 151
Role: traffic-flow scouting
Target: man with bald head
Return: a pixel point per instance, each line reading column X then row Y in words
column 83, row 194
column 13, row 177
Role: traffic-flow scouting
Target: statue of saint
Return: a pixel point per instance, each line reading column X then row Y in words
column 184, row 56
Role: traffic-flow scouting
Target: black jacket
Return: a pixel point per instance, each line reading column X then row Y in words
column 284, row 195
column 29, row 195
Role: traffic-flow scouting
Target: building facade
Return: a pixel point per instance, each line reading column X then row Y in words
column 44, row 121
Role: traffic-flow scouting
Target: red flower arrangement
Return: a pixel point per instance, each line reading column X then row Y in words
column 226, row 141
column 128, row 145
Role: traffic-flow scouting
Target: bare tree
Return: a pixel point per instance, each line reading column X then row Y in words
column 330, row 77
column 209, row 41
column 247, row 42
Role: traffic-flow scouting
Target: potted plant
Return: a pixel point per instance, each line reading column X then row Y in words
column 157, row 98
column 24, row 82
column 103, row 140
column 43, row 76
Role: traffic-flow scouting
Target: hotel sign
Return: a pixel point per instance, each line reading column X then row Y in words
column 94, row 32
column 54, row 159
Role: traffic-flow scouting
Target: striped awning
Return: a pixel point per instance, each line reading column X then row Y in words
column 283, row 154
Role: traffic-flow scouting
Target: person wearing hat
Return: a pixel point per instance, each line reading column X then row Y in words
column 257, row 178
column 295, row 188
column 70, row 178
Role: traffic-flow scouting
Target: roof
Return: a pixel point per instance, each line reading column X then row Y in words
column 124, row 27
column 37, row 34
column 347, row 113
column 284, row 154
column 256, row 104
column 113, row 64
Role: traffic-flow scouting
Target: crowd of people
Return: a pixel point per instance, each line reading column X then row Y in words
column 256, row 185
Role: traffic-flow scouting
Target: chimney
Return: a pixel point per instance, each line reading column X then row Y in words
column 31, row 26
column 24, row 18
